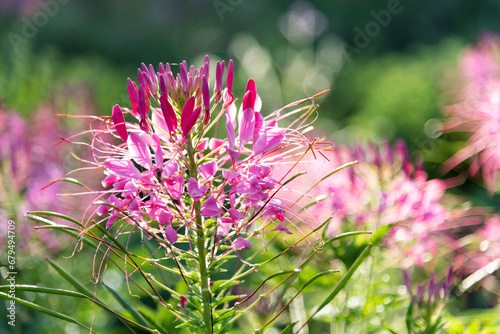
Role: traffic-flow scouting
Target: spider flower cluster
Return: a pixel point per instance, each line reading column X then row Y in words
column 382, row 188
column 27, row 161
column 479, row 112
column 426, row 307
column 167, row 170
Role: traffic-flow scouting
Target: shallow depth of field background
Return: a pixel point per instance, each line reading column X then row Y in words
column 389, row 79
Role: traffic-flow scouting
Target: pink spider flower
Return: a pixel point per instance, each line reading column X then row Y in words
column 28, row 161
column 382, row 188
column 164, row 169
column 482, row 255
column 479, row 112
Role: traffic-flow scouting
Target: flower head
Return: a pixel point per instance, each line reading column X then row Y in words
column 479, row 112
column 382, row 188
column 164, row 162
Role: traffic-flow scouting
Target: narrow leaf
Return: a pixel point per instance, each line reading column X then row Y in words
column 42, row 309
column 127, row 306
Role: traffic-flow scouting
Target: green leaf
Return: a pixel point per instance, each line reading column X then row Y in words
column 226, row 299
column 69, row 230
column 45, row 310
column 388, row 328
column 127, row 306
column 289, row 328
column 77, row 285
column 409, row 319
column 55, row 214
column 223, row 314
column 342, row 282
column 41, row 289
column 347, row 234
column 152, row 322
column 223, row 284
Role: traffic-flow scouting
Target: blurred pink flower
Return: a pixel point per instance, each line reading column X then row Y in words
column 479, row 111
column 383, row 188
column 28, row 162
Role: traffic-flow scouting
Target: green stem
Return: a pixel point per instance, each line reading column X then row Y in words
column 200, row 245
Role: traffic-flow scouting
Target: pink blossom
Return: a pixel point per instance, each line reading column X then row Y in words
column 382, row 188
column 478, row 112
column 170, row 174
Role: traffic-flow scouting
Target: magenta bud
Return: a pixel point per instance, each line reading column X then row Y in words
column 230, row 74
column 168, row 114
column 162, row 68
column 406, row 278
column 251, row 87
column 189, row 116
column 149, row 83
column 140, row 77
column 152, row 75
column 183, row 74
column 206, row 67
column 183, row 301
column 163, row 84
column 206, row 100
column 142, row 101
column 447, row 283
column 248, row 100
column 134, row 96
column 119, row 122
column 219, row 72
column 432, row 286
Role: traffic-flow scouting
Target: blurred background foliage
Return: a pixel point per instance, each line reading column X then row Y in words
column 393, row 87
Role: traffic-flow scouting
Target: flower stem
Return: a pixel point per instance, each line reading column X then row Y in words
column 204, row 278
column 200, row 245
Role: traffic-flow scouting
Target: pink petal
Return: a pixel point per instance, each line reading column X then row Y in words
column 170, row 169
column 109, row 180
column 165, row 218
column 224, row 225
column 230, row 131
column 139, row 150
column 241, row 243
column 210, row 208
column 269, row 140
column 283, row 229
column 195, row 190
column 160, row 126
column 259, row 124
column 175, row 186
column 171, row 234
column 235, row 214
column 215, row 143
column 119, row 121
column 124, row 168
column 208, row 169
column 156, row 146
column 247, row 125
